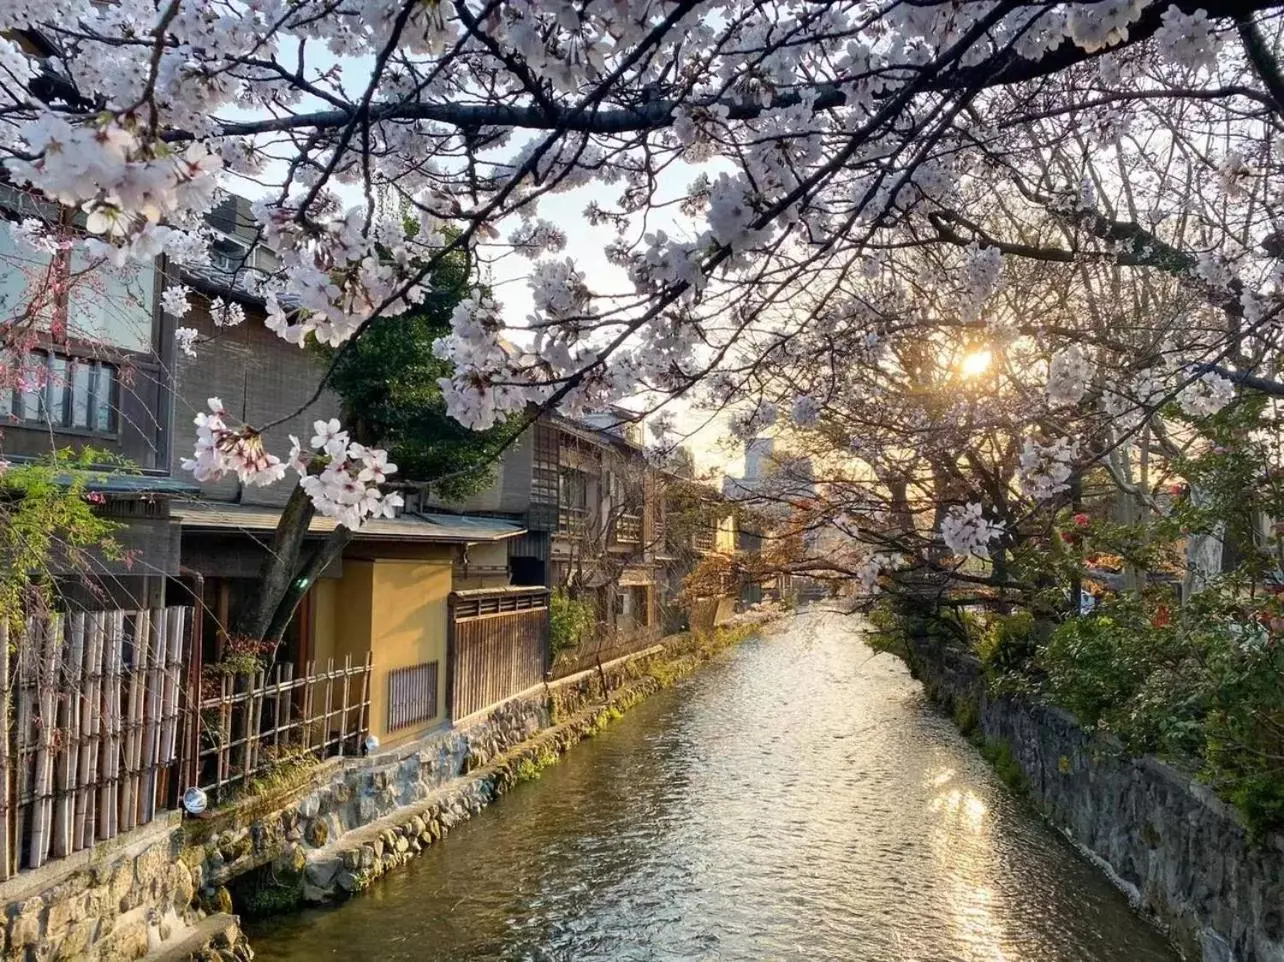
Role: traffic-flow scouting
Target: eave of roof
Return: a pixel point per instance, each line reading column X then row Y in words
column 108, row 482
column 448, row 528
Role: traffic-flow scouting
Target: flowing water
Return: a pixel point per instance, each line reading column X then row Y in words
column 795, row 800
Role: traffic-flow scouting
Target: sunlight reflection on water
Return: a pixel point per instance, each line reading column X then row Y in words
column 795, row 801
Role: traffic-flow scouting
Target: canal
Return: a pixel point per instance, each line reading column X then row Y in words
column 795, row 800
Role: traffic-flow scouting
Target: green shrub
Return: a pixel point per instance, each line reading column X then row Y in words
column 570, row 621
column 966, row 714
column 1006, row 644
column 999, row 754
column 1199, row 686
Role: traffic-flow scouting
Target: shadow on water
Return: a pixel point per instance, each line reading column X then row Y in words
column 797, row 800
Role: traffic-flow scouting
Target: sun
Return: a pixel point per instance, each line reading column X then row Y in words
column 975, row 363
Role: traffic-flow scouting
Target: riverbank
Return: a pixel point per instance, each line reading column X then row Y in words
column 319, row 832
column 571, row 709
column 1184, row 857
column 328, row 839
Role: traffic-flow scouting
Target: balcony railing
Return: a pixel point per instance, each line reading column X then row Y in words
column 628, row 529
column 572, row 521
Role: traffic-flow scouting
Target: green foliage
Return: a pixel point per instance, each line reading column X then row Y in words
column 966, row 715
column 570, row 621
column 387, row 379
column 999, row 754
column 530, row 766
column 1198, row 685
column 49, row 527
column 1006, row 643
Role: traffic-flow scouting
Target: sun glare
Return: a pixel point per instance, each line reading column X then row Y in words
column 975, row 363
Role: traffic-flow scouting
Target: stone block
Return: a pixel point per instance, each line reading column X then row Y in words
column 318, row 833
column 127, row 940
column 76, row 939
column 321, row 872
column 348, row 881
column 26, row 923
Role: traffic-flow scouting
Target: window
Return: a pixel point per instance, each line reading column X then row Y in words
column 573, row 488
column 59, row 391
column 101, row 304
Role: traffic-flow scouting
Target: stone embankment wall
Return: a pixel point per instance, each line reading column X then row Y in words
column 167, row 891
column 1181, row 854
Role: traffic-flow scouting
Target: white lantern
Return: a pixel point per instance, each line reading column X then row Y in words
column 195, row 801
column 372, row 744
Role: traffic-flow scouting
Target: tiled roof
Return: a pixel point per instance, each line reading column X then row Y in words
column 211, row 516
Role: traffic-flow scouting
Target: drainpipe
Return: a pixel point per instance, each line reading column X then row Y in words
column 191, row 737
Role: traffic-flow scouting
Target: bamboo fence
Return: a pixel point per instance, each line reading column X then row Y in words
column 93, row 704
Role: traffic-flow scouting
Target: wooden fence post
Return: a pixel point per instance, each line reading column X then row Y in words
column 6, row 756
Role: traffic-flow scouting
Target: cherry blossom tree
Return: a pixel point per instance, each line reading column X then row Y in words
column 780, row 167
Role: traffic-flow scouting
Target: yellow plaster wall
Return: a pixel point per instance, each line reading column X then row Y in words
column 395, row 609
column 409, row 628
column 342, row 611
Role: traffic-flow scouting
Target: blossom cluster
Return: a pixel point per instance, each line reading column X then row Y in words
column 1046, row 468
column 1069, row 374
column 221, row 450
column 966, row 531
column 1206, row 395
column 346, row 487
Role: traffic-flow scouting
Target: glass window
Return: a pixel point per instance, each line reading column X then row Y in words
column 56, row 390
column 105, row 396
column 109, row 305
column 24, row 274
column 31, row 384
column 81, row 381
column 66, row 392
column 105, row 305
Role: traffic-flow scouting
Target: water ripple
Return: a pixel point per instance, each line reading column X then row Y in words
column 796, row 801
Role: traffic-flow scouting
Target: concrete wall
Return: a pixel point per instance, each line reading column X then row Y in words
column 1181, row 854
column 259, row 377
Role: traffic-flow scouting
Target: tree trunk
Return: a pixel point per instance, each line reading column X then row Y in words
column 278, row 569
column 1203, row 551
column 303, row 579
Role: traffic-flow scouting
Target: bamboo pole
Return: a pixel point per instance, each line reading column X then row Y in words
column 363, row 722
column 127, row 806
column 223, row 767
column 6, row 757
column 289, row 701
column 109, row 791
column 343, row 715
column 329, row 694
column 177, row 617
column 27, row 658
column 250, row 712
column 68, row 769
column 148, row 761
column 309, row 679
column 50, row 663
column 276, row 713
column 91, row 722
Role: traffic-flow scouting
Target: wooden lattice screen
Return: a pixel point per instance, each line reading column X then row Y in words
column 498, row 646
column 412, row 695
